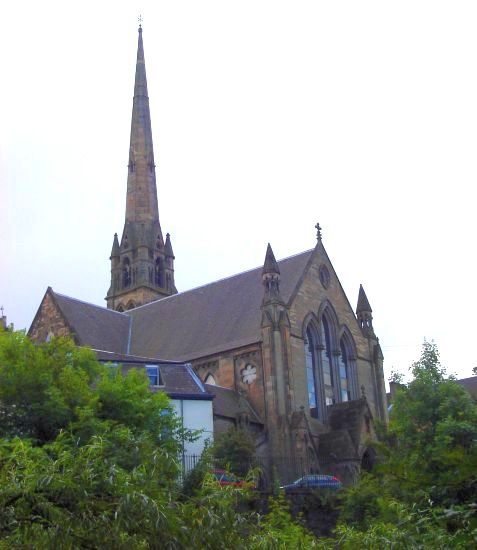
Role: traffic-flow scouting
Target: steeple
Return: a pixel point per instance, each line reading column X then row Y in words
column 142, row 265
column 141, row 201
column 364, row 313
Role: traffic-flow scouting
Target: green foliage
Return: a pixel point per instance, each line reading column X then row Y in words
column 234, row 449
column 422, row 494
column 194, row 479
column 278, row 530
column 43, row 388
column 362, row 502
column 88, row 457
column 432, row 434
column 396, row 377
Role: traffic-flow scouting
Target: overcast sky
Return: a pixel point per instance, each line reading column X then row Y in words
column 267, row 117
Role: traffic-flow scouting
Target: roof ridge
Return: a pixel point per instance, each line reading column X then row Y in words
column 218, row 281
column 88, row 303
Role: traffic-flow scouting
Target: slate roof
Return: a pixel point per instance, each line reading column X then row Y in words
column 221, row 315
column 181, row 381
column 95, row 326
column 178, row 380
column 229, row 403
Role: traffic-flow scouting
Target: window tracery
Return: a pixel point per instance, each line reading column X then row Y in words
column 329, row 363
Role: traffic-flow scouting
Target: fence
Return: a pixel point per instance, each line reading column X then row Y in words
column 269, row 471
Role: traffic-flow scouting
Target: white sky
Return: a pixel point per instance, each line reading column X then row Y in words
column 267, row 117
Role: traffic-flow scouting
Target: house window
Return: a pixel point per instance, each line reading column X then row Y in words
column 153, row 375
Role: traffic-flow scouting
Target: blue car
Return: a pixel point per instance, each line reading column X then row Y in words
column 314, row 481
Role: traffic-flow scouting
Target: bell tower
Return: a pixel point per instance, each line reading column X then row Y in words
column 142, row 262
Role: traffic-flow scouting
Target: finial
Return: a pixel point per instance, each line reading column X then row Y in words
column 1, row 309
column 318, row 231
column 139, row 19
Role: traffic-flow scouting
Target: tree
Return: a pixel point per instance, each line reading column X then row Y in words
column 433, row 431
column 87, row 456
column 234, row 449
column 423, row 491
column 88, row 459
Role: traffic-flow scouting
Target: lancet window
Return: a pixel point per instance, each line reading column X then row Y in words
column 330, row 366
column 311, row 371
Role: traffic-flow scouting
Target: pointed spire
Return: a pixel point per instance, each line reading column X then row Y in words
column 141, row 200
column 270, row 265
column 140, row 84
column 363, row 302
column 168, row 246
column 115, row 250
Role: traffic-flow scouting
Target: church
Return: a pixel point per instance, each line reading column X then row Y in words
column 279, row 348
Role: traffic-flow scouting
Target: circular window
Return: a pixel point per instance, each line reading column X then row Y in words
column 249, row 374
column 324, row 275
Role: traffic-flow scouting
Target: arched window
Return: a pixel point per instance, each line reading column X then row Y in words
column 330, row 363
column 120, row 308
column 327, row 362
column 130, row 305
column 345, row 378
column 310, row 362
column 347, row 368
column 126, row 273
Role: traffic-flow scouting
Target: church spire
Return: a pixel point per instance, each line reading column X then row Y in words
column 141, row 201
column 142, row 265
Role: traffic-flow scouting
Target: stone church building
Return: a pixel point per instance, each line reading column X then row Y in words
column 279, row 347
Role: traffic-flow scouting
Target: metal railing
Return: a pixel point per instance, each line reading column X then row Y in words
column 269, row 472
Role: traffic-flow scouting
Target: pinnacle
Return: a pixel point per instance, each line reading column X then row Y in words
column 115, row 249
column 363, row 302
column 168, row 246
column 270, row 265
